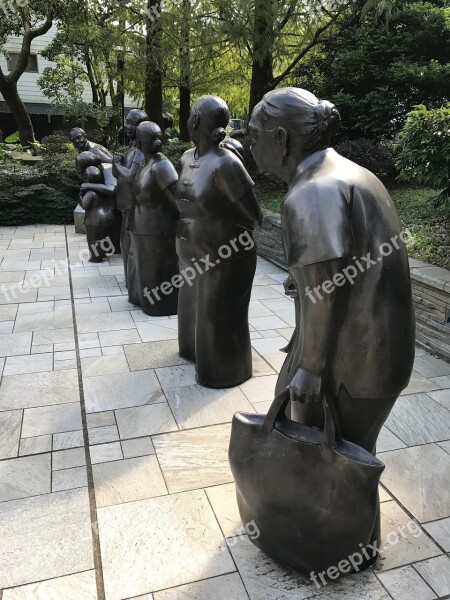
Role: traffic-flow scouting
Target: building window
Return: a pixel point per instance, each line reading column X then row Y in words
column 32, row 66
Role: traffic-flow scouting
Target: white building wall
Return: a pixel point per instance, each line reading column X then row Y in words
column 27, row 86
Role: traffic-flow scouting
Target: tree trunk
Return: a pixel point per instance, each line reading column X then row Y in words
column 9, row 91
column 153, row 73
column 185, row 72
column 262, row 63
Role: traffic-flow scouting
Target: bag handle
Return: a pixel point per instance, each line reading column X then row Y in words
column 332, row 429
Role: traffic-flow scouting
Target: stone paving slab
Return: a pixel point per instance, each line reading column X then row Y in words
column 110, row 450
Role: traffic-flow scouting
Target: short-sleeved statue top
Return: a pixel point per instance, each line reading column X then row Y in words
column 151, row 212
column 207, row 193
column 336, row 209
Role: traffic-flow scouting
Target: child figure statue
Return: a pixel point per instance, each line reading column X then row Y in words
column 99, row 217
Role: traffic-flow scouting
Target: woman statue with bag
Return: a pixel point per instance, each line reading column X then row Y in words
column 352, row 350
column 218, row 211
column 346, row 253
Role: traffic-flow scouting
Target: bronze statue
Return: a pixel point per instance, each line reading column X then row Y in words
column 124, row 192
column 99, row 217
column 78, row 138
column 218, row 211
column 105, row 187
column 152, row 261
column 353, row 343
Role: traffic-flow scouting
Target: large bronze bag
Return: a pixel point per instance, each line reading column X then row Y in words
column 312, row 495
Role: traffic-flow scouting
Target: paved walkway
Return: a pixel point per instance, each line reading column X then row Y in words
column 114, row 479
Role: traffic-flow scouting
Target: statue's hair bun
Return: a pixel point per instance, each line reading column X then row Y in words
column 328, row 118
column 218, row 135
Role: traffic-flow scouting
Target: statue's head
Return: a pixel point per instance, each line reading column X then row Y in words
column 289, row 124
column 134, row 118
column 209, row 117
column 78, row 138
column 85, row 160
column 149, row 136
column 93, row 175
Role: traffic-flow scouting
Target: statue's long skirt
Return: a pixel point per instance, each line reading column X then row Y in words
column 152, row 261
column 213, row 328
column 99, row 241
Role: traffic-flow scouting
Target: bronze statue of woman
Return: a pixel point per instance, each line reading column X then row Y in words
column 124, row 192
column 345, row 249
column 218, row 211
column 152, row 260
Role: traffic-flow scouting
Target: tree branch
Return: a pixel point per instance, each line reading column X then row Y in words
column 316, row 39
column 29, row 35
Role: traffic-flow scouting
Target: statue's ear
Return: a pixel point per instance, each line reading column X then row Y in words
column 282, row 139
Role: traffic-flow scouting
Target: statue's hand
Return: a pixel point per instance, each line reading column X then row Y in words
column 84, row 186
column 306, row 387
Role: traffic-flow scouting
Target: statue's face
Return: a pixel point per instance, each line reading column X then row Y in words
column 79, row 140
column 267, row 147
column 131, row 125
column 145, row 142
column 260, row 146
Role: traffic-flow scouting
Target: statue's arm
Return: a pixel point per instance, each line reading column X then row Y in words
column 125, row 173
column 168, row 195
column 100, row 188
column 87, row 200
column 104, row 154
column 166, row 177
column 320, row 313
column 248, row 211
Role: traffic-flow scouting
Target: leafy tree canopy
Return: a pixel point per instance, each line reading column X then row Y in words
column 377, row 70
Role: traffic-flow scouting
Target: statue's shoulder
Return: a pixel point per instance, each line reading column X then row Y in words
column 187, row 156
column 164, row 171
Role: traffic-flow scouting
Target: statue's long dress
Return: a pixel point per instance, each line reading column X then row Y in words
column 213, row 328
column 152, row 225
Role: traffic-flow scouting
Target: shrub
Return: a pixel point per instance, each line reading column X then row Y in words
column 174, row 150
column 46, row 192
column 424, row 153
column 371, row 155
column 56, row 144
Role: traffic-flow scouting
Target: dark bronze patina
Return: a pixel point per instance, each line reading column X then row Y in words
column 353, row 345
column 99, row 217
column 218, row 211
column 153, row 262
column 124, row 192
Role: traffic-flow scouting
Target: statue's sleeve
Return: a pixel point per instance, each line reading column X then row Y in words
column 232, row 178
column 165, row 174
column 316, row 225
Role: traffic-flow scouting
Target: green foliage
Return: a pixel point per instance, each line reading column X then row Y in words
column 372, row 155
column 56, row 144
column 46, row 192
column 13, row 138
column 376, row 71
column 424, row 152
column 174, row 150
column 429, row 226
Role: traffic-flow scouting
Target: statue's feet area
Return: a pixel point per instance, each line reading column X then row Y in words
column 114, row 477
